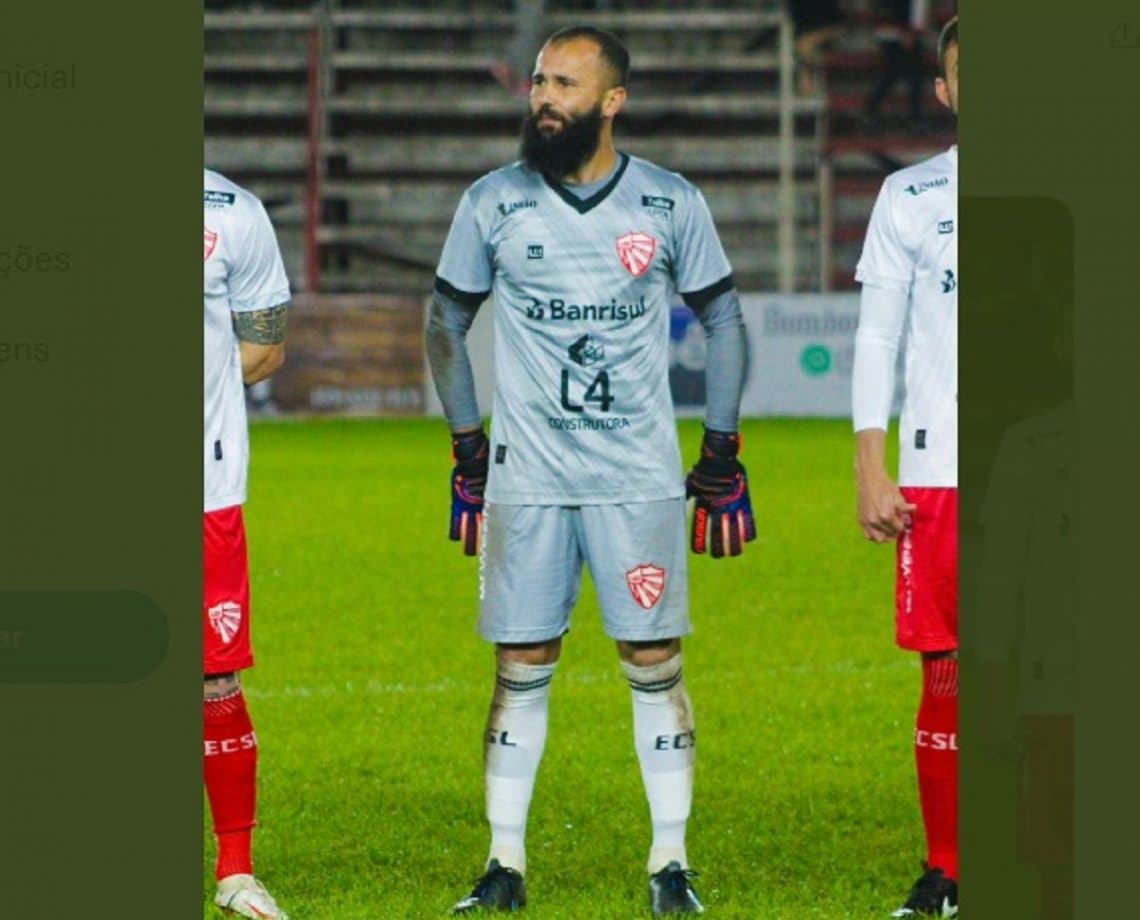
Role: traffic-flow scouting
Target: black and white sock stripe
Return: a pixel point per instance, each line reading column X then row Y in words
column 656, row 686
column 521, row 686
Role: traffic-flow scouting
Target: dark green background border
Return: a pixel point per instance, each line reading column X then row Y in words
column 1052, row 112
column 1017, row 544
column 100, row 458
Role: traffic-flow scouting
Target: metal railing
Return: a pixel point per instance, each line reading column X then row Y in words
column 321, row 79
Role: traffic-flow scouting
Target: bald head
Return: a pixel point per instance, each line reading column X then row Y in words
column 612, row 55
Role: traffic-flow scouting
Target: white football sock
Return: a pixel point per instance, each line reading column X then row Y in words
column 516, row 736
column 665, row 740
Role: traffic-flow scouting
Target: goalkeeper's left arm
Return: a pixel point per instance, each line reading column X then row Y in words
column 722, row 517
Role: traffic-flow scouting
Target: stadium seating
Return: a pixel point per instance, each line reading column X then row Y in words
column 411, row 114
column 407, row 114
column 856, row 159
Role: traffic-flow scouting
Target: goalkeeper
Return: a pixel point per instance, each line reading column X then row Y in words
column 580, row 245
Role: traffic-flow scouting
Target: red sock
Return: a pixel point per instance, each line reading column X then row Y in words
column 936, row 756
column 231, row 781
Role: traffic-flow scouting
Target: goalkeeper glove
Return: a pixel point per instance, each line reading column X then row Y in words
column 723, row 509
column 471, row 451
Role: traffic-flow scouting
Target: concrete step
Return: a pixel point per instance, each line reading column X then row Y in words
column 683, row 19
column 404, row 154
column 259, row 155
column 279, row 101
column 432, row 202
column 257, row 21
column 448, row 62
column 477, row 155
column 492, row 105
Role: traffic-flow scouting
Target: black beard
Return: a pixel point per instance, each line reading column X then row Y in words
column 564, row 151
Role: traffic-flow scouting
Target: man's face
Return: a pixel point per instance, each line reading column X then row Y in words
column 946, row 88
column 569, row 102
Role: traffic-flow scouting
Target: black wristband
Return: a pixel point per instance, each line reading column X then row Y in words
column 468, row 445
column 721, row 444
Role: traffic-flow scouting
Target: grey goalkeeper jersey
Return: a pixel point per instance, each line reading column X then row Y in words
column 582, row 411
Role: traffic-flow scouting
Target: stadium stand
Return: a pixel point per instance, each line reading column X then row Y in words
column 406, row 113
column 857, row 158
column 359, row 124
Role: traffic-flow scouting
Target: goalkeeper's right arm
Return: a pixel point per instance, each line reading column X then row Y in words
column 448, row 323
column 446, row 339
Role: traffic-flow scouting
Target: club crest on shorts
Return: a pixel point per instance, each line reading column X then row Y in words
column 646, row 584
column 636, row 252
column 225, row 619
column 211, row 241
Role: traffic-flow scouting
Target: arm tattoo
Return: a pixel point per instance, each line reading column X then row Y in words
column 262, row 327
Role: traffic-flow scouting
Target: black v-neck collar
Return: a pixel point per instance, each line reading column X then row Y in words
column 584, row 205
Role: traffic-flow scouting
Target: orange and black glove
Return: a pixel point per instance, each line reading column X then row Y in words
column 722, row 518
column 471, row 452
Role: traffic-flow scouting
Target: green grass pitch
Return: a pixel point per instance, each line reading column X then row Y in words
column 371, row 689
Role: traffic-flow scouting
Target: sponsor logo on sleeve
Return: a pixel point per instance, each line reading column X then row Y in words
column 917, row 188
column 213, row 199
column 507, row 208
column 658, row 205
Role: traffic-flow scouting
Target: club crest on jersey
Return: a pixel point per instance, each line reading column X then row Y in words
column 225, row 619
column 646, row 584
column 211, row 241
column 636, row 252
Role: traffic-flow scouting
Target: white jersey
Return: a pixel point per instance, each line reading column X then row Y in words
column 912, row 246
column 243, row 273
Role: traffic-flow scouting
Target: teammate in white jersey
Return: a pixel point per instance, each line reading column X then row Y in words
column 581, row 247
column 247, row 297
column 909, row 273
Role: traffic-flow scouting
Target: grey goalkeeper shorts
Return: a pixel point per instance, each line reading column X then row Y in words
column 530, row 569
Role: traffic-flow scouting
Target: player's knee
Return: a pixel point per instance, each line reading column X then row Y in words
column 648, row 654
column 655, row 677
column 218, row 686
column 936, row 656
column 531, row 653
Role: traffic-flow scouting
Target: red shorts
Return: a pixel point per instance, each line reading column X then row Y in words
column 926, row 583
column 225, row 608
